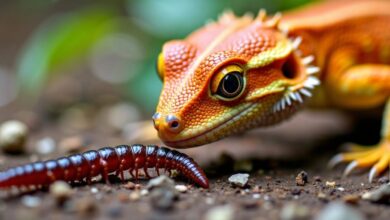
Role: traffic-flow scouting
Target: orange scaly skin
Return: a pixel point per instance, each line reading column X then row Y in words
column 242, row 72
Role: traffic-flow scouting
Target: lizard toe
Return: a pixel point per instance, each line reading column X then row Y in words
column 377, row 158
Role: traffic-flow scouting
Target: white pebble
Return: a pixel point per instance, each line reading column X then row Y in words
column 144, row 192
column 181, row 188
column 224, row 212
column 31, row 201
column 239, row 179
column 45, row 146
column 256, row 196
column 94, row 190
column 134, row 196
column 60, row 189
column 341, row 189
column 13, row 136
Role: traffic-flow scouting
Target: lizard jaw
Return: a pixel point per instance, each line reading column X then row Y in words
column 207, row 135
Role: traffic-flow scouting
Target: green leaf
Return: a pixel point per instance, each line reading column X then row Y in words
column 61, row 42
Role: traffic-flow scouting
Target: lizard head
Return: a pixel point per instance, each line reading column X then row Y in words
column 227, row 77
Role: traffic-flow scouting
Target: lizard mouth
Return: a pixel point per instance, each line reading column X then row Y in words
column 208, row 135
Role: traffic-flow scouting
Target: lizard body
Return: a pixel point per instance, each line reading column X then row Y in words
column 242, row 72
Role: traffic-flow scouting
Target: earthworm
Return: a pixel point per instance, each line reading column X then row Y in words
column 106, row 160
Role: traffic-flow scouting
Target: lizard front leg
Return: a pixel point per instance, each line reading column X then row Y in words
column 366, row 86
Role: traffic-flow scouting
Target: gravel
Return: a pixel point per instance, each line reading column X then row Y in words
column 163, row 193
column 239, row 179
column 160, row 181
column 163, row 198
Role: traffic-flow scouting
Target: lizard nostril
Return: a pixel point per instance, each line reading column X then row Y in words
column 173, row 123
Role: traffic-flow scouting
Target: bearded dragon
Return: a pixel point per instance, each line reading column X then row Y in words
column 239, row 73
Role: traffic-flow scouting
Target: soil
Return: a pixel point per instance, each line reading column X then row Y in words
column 273, row 158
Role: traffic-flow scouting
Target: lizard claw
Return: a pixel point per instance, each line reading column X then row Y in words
column 373, row 173
column 337, row 159
column 351, row 166
column 377, row 157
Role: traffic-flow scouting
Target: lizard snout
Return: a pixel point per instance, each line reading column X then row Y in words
column 170, row 123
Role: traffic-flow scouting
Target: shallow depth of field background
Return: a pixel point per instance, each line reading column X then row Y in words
column 91, row 64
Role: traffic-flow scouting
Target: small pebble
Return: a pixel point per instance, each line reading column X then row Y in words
column 144, row 192
column 94, row 190
column 45, row 146
column 293, row 211
column 239, row 179
column 31, row 201
column 129, row 185
column 61, row 191
column 301, row 178
column 134, row 196
column 256, row 196
column 181, row 188
column 160, row 181
column 225, row 212
column 341, row 189
column 339, row 211
column 351, row 199
column 380, row 195
column 330, row 183
column 138, row 186
column 13, row 136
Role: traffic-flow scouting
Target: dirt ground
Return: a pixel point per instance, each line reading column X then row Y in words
column 273, row 158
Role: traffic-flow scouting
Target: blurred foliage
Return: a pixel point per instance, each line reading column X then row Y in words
column 65, row 39
column 60, row 42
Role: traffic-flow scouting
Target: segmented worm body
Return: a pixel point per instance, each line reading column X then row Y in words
column 84, row 166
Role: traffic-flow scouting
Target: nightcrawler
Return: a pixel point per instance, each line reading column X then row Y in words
column 106, row 160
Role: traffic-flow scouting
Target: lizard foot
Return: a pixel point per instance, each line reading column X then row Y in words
column 377, row 157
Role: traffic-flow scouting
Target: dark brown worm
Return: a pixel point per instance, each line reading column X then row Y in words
column 84, row 166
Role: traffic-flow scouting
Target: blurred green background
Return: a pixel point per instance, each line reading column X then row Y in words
column 58, row 54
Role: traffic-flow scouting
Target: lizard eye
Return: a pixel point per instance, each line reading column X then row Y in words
column 228, row 84
column 160, row 66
